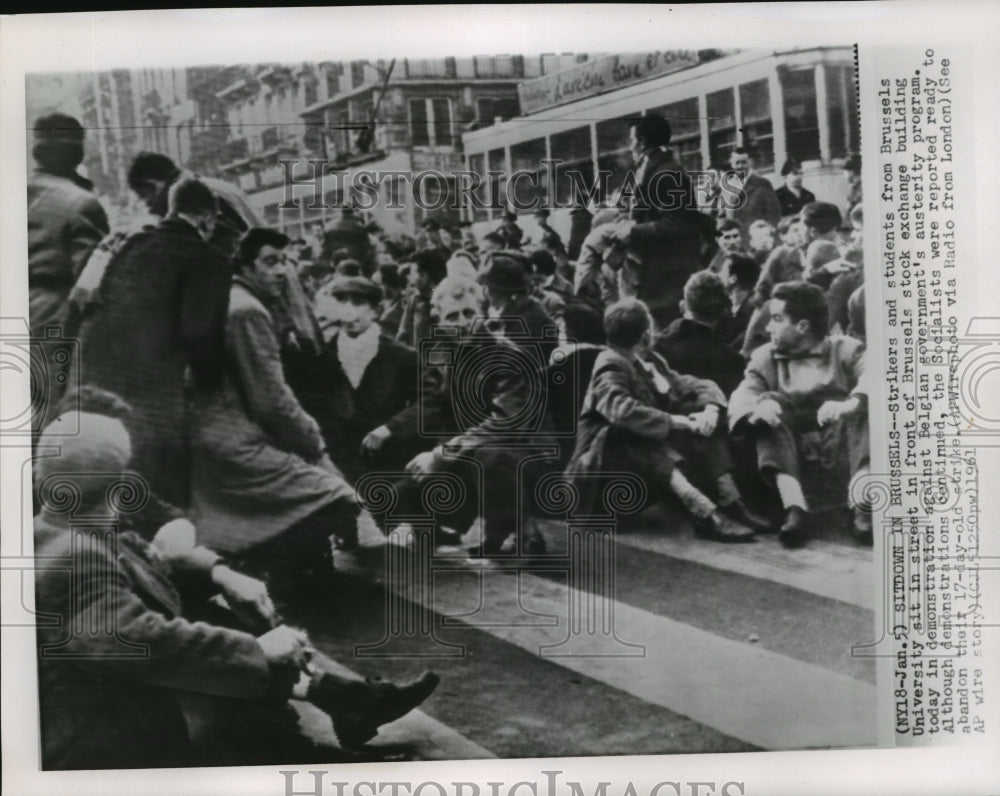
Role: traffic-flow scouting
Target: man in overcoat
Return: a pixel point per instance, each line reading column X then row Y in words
column 160, row 323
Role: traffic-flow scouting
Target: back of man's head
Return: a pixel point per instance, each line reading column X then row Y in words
column 58, row 142
column 583, row 323
column 626, row 321
column 191, row 197
column 705, row 297
column 151, row 166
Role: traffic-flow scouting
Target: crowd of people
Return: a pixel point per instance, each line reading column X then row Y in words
column 255, row 381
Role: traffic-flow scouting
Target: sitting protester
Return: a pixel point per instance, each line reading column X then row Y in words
column 698, row 343
column 760, row 240
column 117, row 671
column 729, row 238
column 803, row 381
column 430, row 267
column 360, row 383
column 473, row 442
column 552, row 290
column 640, row 416
column 263, row 485
column 581, row 339
column 740, row 275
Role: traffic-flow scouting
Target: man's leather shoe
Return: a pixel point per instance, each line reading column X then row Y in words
column 720, row 528
column 738, row 511
column 793, row 531
column 359, row 707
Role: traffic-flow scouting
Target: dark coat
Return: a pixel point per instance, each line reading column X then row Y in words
column 526, row 323
column 569, row 376
column 695, row 349
column 110, row 700
column 415, row 323
column 345, row 414
column 662, row 188
column 657, row 271
column 580, row 225
column 790, row 203
column 761, row 203
column 623, row 419
column 65, row 224
column 164, row 299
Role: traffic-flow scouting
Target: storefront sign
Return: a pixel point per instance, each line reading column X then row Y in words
column 596, row 77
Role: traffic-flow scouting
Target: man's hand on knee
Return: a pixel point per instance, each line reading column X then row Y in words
column 767, row 412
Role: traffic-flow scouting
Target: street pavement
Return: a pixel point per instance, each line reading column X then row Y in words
column 690, row 646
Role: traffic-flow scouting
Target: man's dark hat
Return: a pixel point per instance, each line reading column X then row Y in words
column 821, row 214
column 508, row 271
column 356, row 286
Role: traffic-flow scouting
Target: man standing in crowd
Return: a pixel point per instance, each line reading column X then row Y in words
column 65, row 224
column 802, row 381
column 792, row 197
column 263, row 486
column 162, row 316
column 759, row 198
column 641, row 417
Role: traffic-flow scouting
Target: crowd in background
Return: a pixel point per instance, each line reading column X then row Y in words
column 254, row 382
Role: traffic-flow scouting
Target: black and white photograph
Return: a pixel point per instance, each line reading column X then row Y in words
column 468, row 407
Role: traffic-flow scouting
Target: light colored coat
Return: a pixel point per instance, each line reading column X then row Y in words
column 258, row 459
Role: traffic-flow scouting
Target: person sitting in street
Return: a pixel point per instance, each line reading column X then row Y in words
column 739, row 276
column 263, row 486
column 698, row 343
column 640, row 416
column 117, row 674
column 362, row 381
column 729, row 236
column 474, row 444
column 760, row 240
column 802, row 381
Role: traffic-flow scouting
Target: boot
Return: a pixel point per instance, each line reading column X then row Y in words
column 737, row 510
column 359, row 707
column 793, row 531
column 720, row 528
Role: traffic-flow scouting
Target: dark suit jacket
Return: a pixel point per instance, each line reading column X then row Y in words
column 109, row 699
column 761, row 203
column 792, row 204
column 696, row 350
column 345, row 414
column 662, row 187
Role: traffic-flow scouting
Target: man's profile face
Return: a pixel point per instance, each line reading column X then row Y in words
column 795, row 236
column 153, row 194
column 788, row 336
column 730, row 241
column 637, row 147
column 460, row 313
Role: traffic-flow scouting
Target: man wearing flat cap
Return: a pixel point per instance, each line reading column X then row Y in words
column 65, row 224
column 364, row 379
column 518, row 315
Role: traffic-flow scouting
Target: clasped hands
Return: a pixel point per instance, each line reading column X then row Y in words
column 702, row 423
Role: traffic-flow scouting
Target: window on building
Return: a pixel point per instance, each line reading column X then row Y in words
column 430, row 67
column 496, row 66
column 311, row 92
column 721, row 126
column 357, row 73
column 339, row 129
column 419, row 129
column 798, row 87
column 685, row 127
column 842, row 110
column 758, row 131
column 332, row 74
column 614, row 155
column 550, row 63
column 574, row 163
column 431, row 122
column 527, row 157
